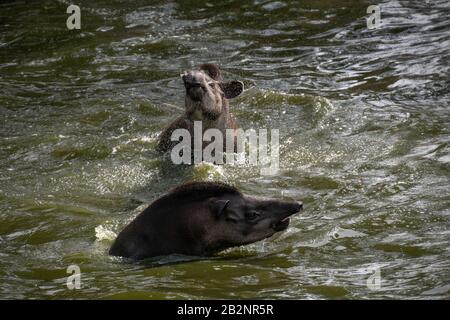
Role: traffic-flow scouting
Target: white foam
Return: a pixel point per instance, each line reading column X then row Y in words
column 104, row 233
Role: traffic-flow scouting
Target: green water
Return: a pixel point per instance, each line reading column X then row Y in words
column 364, row 126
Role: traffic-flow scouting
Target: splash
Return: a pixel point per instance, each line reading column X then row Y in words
column 104, row 233
column 208, row 172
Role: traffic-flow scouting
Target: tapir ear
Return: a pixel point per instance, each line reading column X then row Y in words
column 218, row 206
column 232, row 89
column 211, row 70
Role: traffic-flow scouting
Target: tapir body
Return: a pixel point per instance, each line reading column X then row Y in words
column 206, row 100
column 201, row 218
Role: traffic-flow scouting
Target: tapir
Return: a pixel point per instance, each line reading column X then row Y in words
column 206, row 100
column 201, row 219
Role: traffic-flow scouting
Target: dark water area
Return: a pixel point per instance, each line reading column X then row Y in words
column 364, row 124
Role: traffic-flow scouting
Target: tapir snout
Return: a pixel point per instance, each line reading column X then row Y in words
column 280, row 211
column 196, row 83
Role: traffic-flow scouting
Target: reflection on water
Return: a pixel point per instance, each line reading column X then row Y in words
column 364, row 131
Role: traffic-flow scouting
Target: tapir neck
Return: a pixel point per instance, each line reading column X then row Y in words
column 206, row 110
column 148, row 234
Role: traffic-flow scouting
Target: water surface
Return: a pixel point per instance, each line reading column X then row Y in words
column 364, row 123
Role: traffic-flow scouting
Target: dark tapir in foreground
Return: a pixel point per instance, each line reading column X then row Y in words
column 201, row 218
column 206, row 100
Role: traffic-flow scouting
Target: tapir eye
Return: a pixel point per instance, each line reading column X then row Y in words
column 252, row 215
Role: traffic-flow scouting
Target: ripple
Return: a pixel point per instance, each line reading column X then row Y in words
column 363, row 119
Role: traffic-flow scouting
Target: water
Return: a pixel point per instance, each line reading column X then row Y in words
column 364, row 123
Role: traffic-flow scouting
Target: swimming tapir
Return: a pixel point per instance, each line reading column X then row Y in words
column 206, row 100
column 200, row 219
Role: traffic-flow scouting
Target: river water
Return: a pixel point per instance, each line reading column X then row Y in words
column 364, row 126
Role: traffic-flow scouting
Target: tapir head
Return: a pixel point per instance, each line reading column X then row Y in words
column 201, row 218
column 242, row 220
column 206, row 90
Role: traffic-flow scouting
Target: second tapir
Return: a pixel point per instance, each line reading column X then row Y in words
column 206, row 100
column 201, row 218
